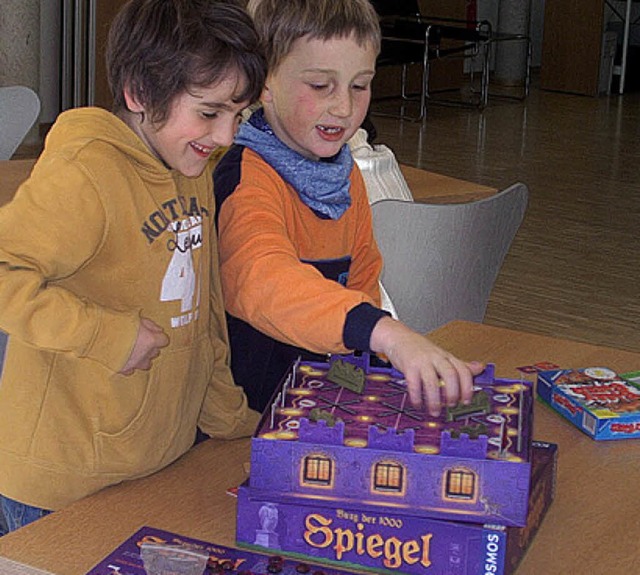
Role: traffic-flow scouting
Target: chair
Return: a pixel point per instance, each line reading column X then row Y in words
column 19, row 110
column 409, row 38
column 442, row 260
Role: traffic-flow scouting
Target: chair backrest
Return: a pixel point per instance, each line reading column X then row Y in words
column 442, row 260
column 396, row 7
column 19, row 109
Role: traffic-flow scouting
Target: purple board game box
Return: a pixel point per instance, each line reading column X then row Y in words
column 344, row 431
column 597, row 400
column 392, row 541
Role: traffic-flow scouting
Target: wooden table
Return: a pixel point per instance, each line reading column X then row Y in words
column 591, row 527
column 12, row 174
column 435, row 188
column 425, row 186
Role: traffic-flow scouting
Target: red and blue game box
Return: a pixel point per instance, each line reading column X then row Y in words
column 597, row 400
column 345, row 432
column 364, row 536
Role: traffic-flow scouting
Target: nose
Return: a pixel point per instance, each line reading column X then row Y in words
column 224, row 132
column 341, row 104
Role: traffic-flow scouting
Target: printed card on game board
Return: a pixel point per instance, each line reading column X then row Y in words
column 152, row 551
column 598, row 401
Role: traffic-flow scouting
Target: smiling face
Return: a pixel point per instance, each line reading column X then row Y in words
column 318, row 96
column 199, row 122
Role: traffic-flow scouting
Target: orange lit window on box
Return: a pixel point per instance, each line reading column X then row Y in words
column 460, row 484
column 318, row 470
column 388, row 476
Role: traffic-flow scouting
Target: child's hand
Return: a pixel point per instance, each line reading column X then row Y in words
column 151, row 339
column 427, row 368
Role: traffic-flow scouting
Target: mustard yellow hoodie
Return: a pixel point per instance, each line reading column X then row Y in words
column 101, row 234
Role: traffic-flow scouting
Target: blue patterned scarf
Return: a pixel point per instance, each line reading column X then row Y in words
column 321, row 185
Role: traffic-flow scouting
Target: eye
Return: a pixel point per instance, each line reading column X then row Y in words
column 210, row 115
column 319, row 87
column 362, row 84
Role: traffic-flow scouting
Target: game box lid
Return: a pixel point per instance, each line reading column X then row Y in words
column 598, row 401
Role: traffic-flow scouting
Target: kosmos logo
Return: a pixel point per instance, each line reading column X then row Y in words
column 491, row 560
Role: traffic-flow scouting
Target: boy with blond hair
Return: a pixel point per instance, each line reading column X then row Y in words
column 299, row 261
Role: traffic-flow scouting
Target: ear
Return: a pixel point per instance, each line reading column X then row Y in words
column 267, row 96
column 133, row 103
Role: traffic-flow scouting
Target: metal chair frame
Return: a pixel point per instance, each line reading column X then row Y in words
column 477, row 39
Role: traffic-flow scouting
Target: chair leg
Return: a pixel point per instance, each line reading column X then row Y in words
column 424, row 85
column 527, row 77
column 403, row 83
column 424, row 90
column 484, row 80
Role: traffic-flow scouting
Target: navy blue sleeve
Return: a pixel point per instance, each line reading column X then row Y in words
column 226, row 176
column 359, row 324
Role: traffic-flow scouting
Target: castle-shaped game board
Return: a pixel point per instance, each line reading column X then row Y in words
column 345, row 432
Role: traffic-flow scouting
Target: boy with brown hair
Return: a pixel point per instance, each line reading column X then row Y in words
column 109, row 283
column 299, row 262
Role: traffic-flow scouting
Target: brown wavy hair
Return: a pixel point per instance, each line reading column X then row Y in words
column 159, row 49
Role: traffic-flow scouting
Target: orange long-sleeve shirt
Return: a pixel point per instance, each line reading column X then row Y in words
column 293, row 281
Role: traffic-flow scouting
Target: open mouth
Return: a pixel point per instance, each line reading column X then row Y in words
column 203, row 151
column 331, row 133
column 331, row 130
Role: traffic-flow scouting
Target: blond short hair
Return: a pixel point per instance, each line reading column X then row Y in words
column 281, row 22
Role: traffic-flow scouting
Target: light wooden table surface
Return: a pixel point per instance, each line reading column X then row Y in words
column 591, row 528
column 433, row 188
column 12, row 174
column 425, row 186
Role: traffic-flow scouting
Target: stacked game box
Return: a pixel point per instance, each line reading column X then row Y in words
column 597, row 400
column 344, row 470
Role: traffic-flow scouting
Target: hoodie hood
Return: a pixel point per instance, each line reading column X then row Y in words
column 79, row 128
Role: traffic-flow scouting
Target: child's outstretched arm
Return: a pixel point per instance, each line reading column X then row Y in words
column 424, row 365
